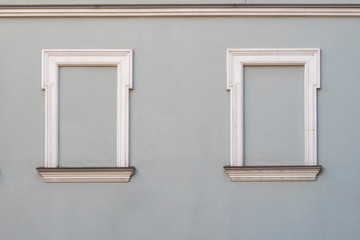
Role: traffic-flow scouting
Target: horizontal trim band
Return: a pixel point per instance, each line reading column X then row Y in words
column 85, row 169
column 119, row 6
column 288, row 167
column 86, row 175
column 171, row 11
column 235, row 5
column 272, row 173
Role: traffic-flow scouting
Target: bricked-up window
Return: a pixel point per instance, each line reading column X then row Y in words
column 52, row 60
column 237, row 59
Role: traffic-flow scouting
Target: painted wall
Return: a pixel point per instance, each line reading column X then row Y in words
column 87, row 116
column 274, row 115
column 179, row 133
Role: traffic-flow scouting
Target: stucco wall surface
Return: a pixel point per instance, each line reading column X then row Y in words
column 179, row 133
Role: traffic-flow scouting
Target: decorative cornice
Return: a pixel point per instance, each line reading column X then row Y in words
column 86, row 175
column 272, row 173
column 230, row 10
column 189, row 5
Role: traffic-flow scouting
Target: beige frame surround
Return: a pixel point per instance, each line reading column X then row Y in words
column 52, row 59
column 236, row 60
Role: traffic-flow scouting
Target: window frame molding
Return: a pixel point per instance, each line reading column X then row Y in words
column 52, row 60
column 309, row 58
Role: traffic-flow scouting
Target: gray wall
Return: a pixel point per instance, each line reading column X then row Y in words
column 87, row 116
column 274, row 115
column 179, row 133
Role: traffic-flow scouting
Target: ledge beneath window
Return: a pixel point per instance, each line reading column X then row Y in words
column 86, row 175
column 272, row 173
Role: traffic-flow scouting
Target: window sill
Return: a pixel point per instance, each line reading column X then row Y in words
column 86, row 174
column 272, row 173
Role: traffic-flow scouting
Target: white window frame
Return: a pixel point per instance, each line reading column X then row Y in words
column 52, row 59
column 237, row 59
